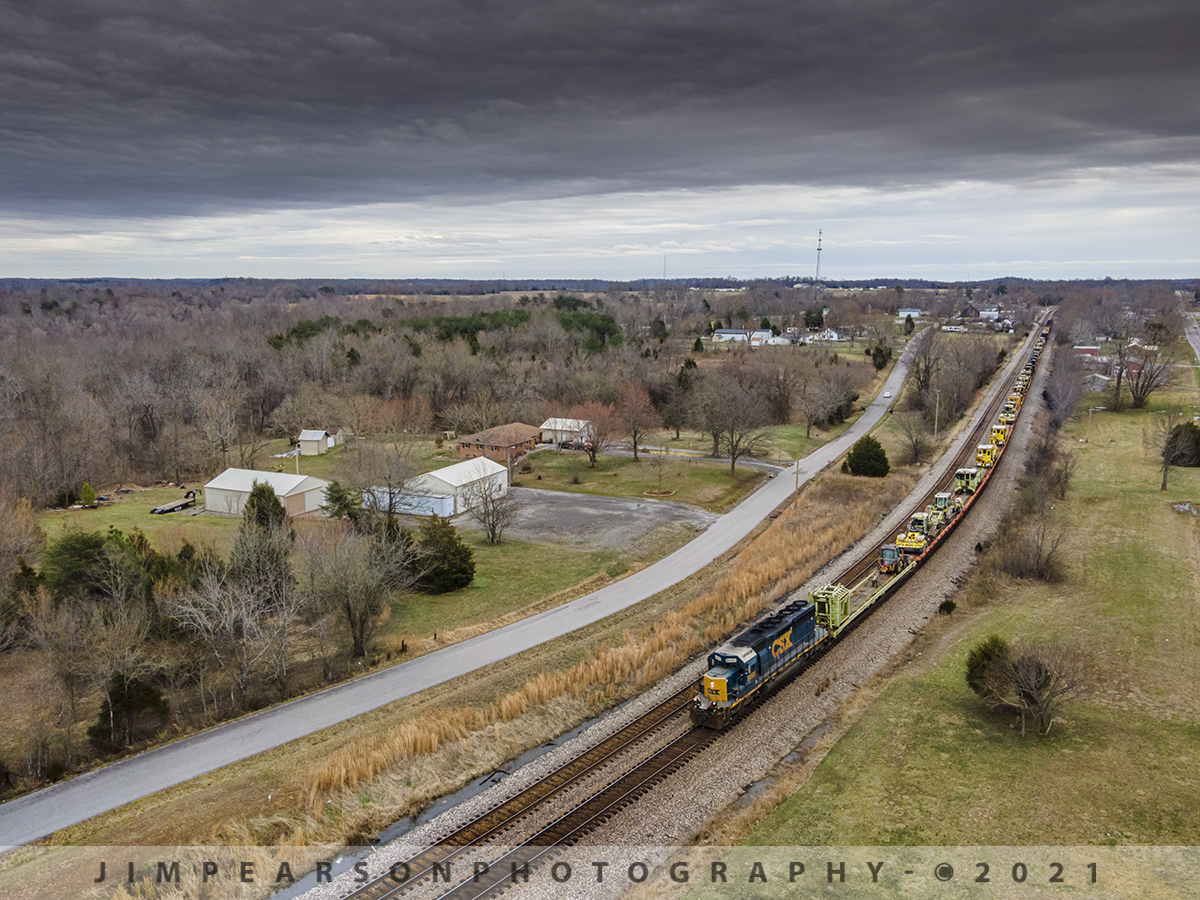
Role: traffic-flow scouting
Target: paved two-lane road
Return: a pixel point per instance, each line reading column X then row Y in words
column 36, row 815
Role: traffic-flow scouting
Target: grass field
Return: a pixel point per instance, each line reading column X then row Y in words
column 513, row 575
column 704, row 483
column 129, row 511
column 928, row 765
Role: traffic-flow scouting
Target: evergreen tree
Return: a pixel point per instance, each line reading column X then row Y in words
column 343, row 502
column 259, row 558
column 122, row 715
column 981, row 658
column 445, row 562
column 867, row 457
column 263, row 508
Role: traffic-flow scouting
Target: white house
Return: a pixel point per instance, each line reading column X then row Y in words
column 301, row 495
column 555, row 431
column 905, row 313
column 462, row 482
column 827, row 335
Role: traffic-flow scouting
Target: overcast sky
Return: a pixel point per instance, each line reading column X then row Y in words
column 947, row 139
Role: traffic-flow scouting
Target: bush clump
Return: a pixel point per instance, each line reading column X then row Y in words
column 867, row 457
column 444, row 561
column 982, row 657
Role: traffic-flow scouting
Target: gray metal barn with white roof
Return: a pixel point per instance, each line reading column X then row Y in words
column 462, row 481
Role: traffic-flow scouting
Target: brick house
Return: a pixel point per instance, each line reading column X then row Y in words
column 503, row 443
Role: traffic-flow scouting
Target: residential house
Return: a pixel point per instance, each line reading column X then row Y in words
column 555, row 430
column 504, row 443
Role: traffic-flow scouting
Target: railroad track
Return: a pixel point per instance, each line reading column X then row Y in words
column 493, row 824
column 626, row 787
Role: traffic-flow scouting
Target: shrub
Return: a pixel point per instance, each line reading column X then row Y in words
column 87, row 495
column 1186, row 437
column 982, row 657
column 868, row 458
column 263, row 508
column 446, row 563
column 946, row 607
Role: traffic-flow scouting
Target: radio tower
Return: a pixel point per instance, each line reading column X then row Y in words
column 819, row 232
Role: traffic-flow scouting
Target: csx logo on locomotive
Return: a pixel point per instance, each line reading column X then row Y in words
column 781, row 644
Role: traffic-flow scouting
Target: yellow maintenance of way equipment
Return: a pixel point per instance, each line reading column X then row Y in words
column 985, row 455
column 967, row 480
column 944, row 508
column 917, row 536
column 891, row 559
column 1000, row 434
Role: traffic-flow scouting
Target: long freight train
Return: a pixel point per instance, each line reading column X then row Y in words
column 779, row 644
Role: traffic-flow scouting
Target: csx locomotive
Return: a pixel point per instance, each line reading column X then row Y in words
column 745, row 663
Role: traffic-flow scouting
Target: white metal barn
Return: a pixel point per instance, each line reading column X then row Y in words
column 462, row 481
column 301, row 495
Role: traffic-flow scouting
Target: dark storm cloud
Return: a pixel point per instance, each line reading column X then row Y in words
column 149, row 105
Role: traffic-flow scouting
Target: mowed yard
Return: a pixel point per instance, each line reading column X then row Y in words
column 927, row 764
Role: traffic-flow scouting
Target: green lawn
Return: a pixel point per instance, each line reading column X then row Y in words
column 928, row 765
column 508, row 577
column 700, row 482
column 129, row 511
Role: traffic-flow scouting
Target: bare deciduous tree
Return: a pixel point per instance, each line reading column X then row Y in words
column 1064, row 387
column 20, row 537
column 600, row 433
column 637, row 414
column 494, row 508
column 60, row 631
column 1168, row 439
column 1147, row 370
column 353, row 576
column 742, row 423
column 229, row 617
column 915, row 430
column 1037, row 680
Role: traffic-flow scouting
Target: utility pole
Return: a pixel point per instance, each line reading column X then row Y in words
column 937, row 413
column 820, row 232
